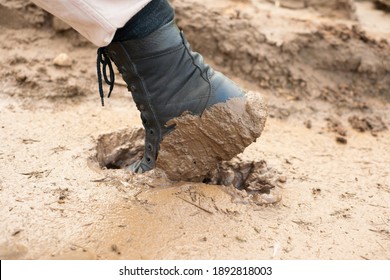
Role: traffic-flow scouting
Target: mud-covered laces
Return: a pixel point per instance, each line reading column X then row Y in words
column 103, row 61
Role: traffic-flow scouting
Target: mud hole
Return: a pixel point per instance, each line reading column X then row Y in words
column 249, row 181
column 120, row 149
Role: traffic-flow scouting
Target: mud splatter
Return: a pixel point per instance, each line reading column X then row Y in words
column 249, row 181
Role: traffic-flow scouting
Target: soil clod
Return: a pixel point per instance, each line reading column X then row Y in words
column 374, row 124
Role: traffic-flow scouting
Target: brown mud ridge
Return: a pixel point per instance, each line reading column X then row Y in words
column 338, row 62
column 18, row 14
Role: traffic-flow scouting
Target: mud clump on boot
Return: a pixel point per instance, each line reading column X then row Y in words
column 199, row 143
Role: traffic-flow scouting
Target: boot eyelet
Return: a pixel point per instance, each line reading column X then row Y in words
column 151, row 132
column 148, row 159
column 150, row 147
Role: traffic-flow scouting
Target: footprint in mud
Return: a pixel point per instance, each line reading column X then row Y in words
column 246, row 180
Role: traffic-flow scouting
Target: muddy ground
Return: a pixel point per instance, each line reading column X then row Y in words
column 316, row 183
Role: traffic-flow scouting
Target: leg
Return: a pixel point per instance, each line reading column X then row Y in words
column 96, row 20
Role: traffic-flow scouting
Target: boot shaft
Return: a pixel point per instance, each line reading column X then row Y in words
column 163, row 73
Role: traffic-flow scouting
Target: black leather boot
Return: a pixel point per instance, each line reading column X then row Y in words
column 166, row 79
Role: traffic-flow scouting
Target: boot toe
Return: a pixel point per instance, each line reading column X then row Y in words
column 199, row 143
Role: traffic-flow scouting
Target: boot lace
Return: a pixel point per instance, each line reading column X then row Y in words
column 103, row 61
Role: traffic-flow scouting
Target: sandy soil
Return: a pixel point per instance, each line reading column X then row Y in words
column 324, row 153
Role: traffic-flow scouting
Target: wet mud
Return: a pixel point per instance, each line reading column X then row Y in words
column 197, row 145
column 223, row 131
column 308, row 57
column 246, row 180
column 120, row 149
column 315, row 185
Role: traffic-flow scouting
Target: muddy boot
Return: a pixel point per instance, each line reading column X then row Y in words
column 169, row 81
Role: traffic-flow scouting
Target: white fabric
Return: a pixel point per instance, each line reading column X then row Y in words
column 96, row 20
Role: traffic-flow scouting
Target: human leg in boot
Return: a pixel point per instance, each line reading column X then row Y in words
column 193, row 116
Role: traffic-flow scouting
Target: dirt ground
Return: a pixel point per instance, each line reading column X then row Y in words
column 315, row 185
